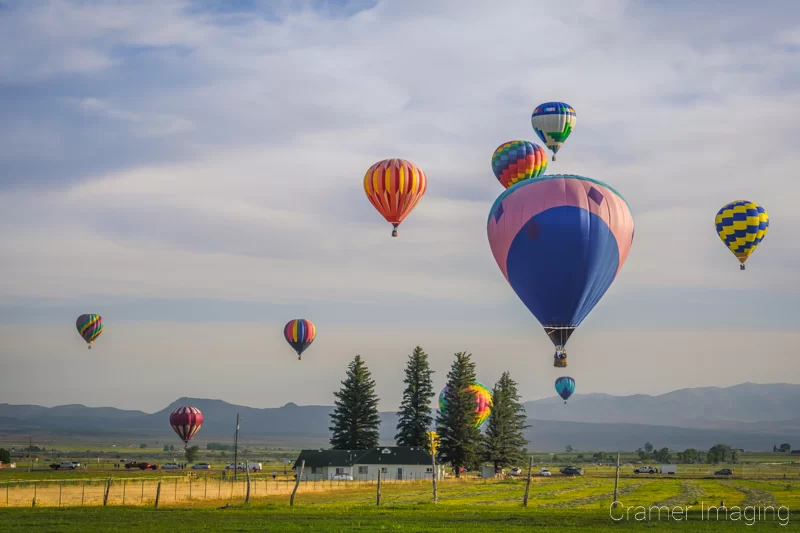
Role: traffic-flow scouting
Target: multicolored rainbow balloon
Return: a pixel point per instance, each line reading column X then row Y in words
column 483, row 398
column 89, row 327
column 515, row 161
column 394, row 187
column 299, row 333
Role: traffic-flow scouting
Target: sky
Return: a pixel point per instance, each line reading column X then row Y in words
column 192, row 171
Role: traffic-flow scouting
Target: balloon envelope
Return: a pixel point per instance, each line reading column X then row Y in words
column 553, row 122
column 560, row 242
column 186, row 422
column 394, row 187
column 515, row 161
column 565, row 386
column 89, row 326
column 742, row 226
column 483, row 399
column 299, row 333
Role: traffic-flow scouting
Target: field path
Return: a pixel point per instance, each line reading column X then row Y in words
column 588, row 500
column 690, row 492
column 753, row 496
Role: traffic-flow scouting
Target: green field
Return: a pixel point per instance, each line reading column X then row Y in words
column 577, row 504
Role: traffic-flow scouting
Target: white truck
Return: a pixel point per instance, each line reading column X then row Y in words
column 645, row 470
column 668, row 469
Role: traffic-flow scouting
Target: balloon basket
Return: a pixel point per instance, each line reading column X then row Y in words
column 741, row 267
column 90, row 346
column 560, row 363
column 394, row 233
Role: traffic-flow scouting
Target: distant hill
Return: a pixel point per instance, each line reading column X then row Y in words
column 749, row 406
column 749, row 416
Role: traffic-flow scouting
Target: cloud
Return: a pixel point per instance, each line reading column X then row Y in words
column 192, row 152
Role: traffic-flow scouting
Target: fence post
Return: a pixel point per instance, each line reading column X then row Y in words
column 378, row 499
column 83, row 491
column 158, row 494
column 297, row 482
column 247, row 478
column 205, row 492
column 528, row 483
column 190, row 489
column 219, row 488
column 124, row 483
column 435, row 492
column 108, row 489
column 60, row 484
column 176, row 489
column 141, row 500
column 7, row 493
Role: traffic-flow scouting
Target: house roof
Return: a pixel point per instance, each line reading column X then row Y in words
column 387, row 455
column 395, row 455
column 318, row 458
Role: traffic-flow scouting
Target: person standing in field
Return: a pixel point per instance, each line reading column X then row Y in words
column 274, row 474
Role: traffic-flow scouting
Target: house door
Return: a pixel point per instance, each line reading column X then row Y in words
column 400, row 473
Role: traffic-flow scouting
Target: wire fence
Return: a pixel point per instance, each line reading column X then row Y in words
column 145, row 491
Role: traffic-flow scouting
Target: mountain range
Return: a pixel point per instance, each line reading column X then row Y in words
column 749, row 416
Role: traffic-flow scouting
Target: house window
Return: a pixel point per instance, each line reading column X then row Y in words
column 313, row 469
column 384, row 470
column 429, row 469
column 362, row 470
column 339, row 470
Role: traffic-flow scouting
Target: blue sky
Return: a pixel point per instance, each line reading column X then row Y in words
column 192, row 171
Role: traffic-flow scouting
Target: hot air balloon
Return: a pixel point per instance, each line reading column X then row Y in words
column 300, row 333
column 89, row 327
column 553, row 122
column 565, row 386
column 515, row 161
column 560, row 241
column 186, row 421
column 742, row 225
column 483, row 399
column 394, row 187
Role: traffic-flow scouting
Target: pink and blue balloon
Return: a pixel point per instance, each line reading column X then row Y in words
column 560, row 241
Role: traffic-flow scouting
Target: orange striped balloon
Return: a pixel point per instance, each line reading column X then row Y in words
column 395, row 187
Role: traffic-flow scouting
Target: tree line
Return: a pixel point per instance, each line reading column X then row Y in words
column 355, row 421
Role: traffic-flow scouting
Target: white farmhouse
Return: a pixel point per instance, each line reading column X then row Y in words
column 402, row 463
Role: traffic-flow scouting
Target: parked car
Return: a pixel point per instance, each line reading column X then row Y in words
column 170, row 466
column 516, row 471
column 230, row 466
column 544, row 472
column 342, row 477
column 645, row 470
column 201, row 466
column 724, row 472
column 255, row 467
column 571, row 471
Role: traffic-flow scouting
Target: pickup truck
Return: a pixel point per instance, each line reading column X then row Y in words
column 65, row 465
column 645, row 470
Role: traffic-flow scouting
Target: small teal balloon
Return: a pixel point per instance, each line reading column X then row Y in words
column 565, row 386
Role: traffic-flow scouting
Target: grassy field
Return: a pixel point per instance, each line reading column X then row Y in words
column 577, row 504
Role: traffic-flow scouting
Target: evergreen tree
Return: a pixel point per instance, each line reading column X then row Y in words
column 414, row 417
column 459, row 442
column 355, row 419
column 504, row 442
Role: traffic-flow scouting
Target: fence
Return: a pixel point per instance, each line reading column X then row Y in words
column 142, row 491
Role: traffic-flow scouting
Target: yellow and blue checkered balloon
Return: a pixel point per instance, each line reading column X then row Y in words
column 742, row 225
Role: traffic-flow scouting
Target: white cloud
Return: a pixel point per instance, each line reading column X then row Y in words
column 274, row 122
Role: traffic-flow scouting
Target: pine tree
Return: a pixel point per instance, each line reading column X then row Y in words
column 355, row 418
column 504, row 442
column 414, row 417
column 459, row 438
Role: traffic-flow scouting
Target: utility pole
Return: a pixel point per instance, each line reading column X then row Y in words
column 616, row 485
column 236, row 448
column 30, row 453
